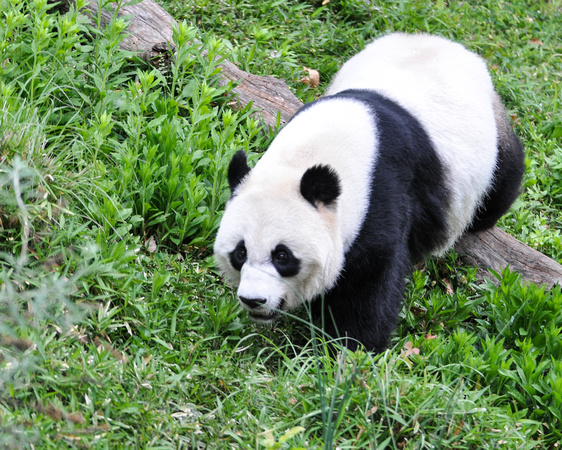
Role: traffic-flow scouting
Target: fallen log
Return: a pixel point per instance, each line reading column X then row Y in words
column 495, row 249
column 150, row 27
column 150, row 34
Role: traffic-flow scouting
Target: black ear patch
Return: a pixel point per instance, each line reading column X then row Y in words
column 320, row 184
column 237, row 170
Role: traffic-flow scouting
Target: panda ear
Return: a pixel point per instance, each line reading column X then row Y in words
column 320, row 184
column 237, row 170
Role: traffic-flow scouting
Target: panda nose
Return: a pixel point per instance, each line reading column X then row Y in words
column 253, row 302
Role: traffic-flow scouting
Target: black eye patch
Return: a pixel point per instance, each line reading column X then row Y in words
column 238, row 256
column 284, row 261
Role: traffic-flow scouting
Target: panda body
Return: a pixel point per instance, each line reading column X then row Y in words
column 448, row 89
column 409, row 148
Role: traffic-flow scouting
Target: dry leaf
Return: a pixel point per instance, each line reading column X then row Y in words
column 410, row 350
column 458, row 429
column 372, row 411
column 150, row 244
column 417, row 311
column 312, row 79
column 449, row 290
column 535, row 41
column 361, row 430
column 430, row 336
column 53, row 412
column 76, row 417
column 515, row 119
column 19, row 344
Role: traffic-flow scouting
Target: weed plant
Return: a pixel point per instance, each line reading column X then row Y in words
column 115, row 329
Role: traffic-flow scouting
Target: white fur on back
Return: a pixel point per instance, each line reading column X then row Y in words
column 448, row 89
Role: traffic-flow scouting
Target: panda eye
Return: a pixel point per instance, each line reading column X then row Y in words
column 238, row 256
column 284, row 261
column 281, row 257
column 241, row 254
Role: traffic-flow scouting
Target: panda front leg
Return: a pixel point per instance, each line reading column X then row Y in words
column 364, row 306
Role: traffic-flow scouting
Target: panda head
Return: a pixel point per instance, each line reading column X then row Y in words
column 279, row 241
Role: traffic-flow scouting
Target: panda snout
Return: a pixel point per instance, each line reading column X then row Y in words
column 253, row 302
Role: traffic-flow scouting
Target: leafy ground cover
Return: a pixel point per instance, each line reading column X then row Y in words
column 115, row 329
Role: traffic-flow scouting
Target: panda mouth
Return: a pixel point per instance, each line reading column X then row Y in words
column 264, row 317
column 267, row 315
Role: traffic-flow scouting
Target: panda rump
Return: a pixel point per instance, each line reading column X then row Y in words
column 409, row 148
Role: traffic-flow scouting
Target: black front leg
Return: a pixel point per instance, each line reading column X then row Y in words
column 363, row 308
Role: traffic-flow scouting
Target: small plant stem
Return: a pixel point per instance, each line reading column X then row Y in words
column 23, row 212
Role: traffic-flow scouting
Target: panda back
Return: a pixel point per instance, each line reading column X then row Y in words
column 449, row 91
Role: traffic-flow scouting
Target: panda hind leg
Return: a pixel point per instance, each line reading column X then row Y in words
column 510, row 167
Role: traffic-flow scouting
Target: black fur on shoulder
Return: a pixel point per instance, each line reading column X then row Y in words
column 237, row 170
column 405, row 221
column 320, row 184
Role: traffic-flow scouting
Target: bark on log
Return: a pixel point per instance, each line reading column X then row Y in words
column 150, row 34
column 150, row 27
column 269, row 95
column 495, row 249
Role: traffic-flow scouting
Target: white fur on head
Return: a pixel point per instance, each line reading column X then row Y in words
column 263, row 220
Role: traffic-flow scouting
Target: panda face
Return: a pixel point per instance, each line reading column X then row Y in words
column 285, row 263
column 278, row 248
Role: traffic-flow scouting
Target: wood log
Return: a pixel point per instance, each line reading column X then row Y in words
column 269, row 95
column 150, row 34
column 495, row 249
column 150, row 27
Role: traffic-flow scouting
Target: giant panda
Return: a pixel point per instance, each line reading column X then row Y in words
column 409, row 148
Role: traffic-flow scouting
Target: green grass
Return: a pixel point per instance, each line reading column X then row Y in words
column 115, row 328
